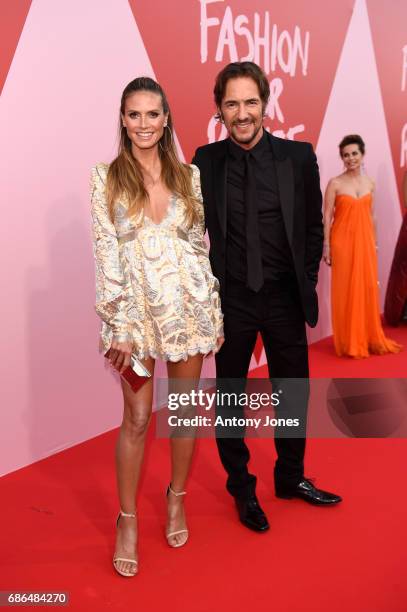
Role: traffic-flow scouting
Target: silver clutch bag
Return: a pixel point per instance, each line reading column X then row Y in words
column 138, row 367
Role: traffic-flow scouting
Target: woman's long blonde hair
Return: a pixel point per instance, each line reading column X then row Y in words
column 125, row 176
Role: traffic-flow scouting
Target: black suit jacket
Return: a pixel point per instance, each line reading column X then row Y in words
column 301, row 202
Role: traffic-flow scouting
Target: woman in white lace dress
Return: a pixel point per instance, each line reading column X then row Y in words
column 155, row 291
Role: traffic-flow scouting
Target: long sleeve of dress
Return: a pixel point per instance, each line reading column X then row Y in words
column 196, row 237
column 112, row 288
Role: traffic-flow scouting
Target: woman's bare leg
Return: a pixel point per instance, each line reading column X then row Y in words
column 129, row 458
column 181, row 449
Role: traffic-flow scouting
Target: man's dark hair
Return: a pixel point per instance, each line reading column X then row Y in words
column 241, row 69
column 352, row 139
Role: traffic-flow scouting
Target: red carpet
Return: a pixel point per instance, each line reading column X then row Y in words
column 325, row 364
column 58, row 516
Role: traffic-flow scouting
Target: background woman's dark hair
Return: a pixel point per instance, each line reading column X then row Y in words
column 125, row 176
column 352, row 139
column 241, row 69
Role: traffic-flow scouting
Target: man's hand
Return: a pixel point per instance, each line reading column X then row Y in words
column 219, row 341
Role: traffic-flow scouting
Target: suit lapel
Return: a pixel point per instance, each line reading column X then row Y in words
column 285, row 180
column 219, row 163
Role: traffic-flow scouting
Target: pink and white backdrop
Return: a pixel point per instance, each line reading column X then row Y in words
column 335, row 67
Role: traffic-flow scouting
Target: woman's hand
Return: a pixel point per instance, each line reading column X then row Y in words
column 326, row 255
column 120, row 354
column 219, row 341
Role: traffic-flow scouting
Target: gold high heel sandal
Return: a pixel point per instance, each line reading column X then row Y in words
column 116, row 559
column 173, row 533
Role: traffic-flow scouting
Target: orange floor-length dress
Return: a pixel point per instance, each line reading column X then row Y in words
column 356, row 320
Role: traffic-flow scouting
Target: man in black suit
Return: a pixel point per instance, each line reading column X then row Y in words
column 263, row 213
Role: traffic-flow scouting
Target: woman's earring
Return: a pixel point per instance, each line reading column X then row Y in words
column 165, row 149
column 170, row 133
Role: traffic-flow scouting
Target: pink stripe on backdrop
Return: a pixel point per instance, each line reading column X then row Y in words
column 58, row 117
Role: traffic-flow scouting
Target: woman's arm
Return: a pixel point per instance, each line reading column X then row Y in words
column 329, row 209
column 196, row 237
column 112, row 290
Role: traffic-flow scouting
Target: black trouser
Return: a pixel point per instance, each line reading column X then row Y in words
column 276, row 313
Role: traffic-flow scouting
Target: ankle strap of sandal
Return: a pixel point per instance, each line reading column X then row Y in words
column 128, row 514
column 175, row 493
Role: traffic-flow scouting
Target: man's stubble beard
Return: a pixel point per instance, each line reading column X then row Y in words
column 247, row 140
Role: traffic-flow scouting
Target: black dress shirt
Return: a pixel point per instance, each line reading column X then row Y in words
column 275, row 251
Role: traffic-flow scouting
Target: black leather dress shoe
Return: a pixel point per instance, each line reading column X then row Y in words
column 251, row 514
column 306, row 490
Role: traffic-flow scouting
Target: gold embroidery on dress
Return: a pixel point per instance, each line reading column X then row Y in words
column 154, row 283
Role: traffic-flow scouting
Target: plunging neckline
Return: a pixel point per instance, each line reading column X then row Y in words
column 166, row 213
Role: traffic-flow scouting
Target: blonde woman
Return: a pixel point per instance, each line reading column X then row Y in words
column 156, row 294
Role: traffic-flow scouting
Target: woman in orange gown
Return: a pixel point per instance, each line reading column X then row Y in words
column 350, row 247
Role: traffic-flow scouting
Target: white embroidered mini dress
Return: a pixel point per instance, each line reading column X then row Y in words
column 154, row 283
